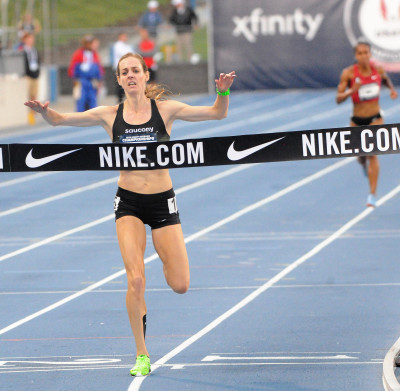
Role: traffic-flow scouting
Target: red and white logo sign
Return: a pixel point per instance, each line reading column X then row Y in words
column 377, row 21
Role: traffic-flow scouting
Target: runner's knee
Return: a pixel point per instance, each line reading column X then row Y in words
column 180, row 286
column 136, row 285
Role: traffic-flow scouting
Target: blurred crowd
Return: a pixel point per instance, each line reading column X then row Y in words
column 158, row 36
column 87, row 71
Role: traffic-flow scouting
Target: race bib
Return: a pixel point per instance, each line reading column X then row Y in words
column 369, row 91
column 172, row 206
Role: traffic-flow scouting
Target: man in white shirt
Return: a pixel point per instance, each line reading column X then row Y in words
column 120, row 48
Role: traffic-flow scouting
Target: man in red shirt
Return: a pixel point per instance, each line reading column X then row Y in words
column 147, row 49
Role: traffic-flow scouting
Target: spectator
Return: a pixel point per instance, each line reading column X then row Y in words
column 147, row 49
column 28, row 25
column 86, row 70
column 183, row 18
column 120, row 48
column 151, row 19
column 95, row 49
column 32, row 70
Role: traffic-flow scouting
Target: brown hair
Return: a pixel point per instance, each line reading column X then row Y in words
column 153, row 90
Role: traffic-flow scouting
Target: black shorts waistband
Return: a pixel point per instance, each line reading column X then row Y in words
column 362, row 121
column 154, row 197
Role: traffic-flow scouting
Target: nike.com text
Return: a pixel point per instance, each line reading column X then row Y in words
column 337, row 143
column 126, row 157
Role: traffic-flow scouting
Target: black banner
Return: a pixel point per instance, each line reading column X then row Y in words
column 243, row 149
column 4, row 158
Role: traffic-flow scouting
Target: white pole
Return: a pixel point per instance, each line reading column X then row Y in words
column 210, row 46
column 46, row 31
column 4, row 23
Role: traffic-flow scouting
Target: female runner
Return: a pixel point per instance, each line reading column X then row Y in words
column 145, row 197
column 362, row 81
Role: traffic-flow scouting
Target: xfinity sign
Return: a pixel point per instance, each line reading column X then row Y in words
column 257, row 23
column 290, row 44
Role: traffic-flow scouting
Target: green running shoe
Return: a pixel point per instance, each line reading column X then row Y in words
column 142, row 366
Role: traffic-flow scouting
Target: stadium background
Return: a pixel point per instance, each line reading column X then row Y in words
column 273, row 49
column 285, row 44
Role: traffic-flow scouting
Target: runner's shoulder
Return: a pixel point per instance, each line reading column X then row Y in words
column 348, row 72
column 105, row 111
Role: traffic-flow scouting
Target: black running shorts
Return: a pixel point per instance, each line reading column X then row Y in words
column 157, row 210
column 364, row 121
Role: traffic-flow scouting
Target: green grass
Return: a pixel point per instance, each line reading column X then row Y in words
column 98, row 13
column 86, row 14
column 93, row 14
column 200, row 42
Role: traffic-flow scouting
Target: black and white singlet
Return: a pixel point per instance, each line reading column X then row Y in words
column 151, row 131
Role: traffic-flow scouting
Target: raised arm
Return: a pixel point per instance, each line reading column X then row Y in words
column 219, row 110
column 96, row 116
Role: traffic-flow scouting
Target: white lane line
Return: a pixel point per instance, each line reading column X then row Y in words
column 26, row 178
column 212, row 358
column 210, row 288
column 190, row 238
column 236, row 364
column 58, row 196
column 136, row 383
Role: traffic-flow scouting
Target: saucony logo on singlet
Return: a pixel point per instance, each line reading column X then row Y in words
column 139, row 130
column 32, row 162
column 238, row 155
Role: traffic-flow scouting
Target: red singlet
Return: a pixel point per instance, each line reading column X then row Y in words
column 370, row 86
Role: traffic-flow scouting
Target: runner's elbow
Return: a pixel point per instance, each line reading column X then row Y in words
column 221, row 114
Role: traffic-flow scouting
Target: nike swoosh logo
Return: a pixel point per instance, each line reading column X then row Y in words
column 238, row 155
column 32, row 162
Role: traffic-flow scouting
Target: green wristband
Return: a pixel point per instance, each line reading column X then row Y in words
column 227, row 92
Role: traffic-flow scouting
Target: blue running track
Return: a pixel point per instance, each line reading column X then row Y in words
column 294, row 282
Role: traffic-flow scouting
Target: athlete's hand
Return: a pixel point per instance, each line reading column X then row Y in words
column 356, row 85
column 225, row 81
column 35, row 105
column 393, row 93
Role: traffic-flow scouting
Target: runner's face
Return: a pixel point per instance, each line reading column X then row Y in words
column 132, row 76
column 362, row 54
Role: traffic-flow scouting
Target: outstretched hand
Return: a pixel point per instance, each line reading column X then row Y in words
column 35, row 105
column 225, row 81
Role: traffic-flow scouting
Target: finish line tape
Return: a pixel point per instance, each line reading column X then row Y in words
column 213, row 151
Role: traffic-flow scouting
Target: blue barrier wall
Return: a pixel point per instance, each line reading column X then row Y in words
column 302, row 43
